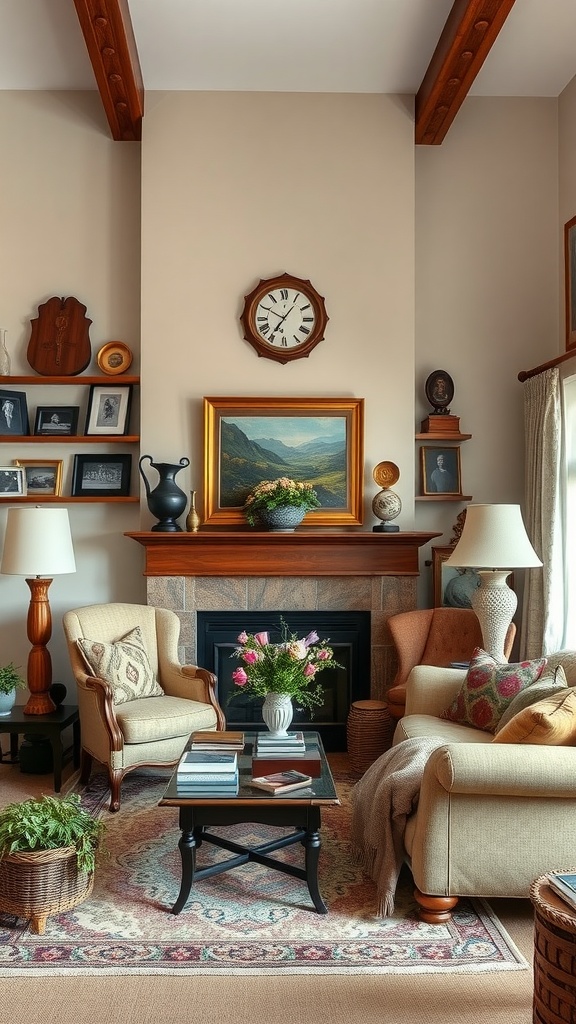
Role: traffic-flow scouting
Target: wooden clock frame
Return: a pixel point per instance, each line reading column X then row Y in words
column 248, row 316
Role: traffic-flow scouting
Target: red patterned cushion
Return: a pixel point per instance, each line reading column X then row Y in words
column 488, row 688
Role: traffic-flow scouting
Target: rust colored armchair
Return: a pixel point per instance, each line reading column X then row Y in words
column 433, row 636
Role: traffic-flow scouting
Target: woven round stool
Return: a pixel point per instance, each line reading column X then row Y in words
column 368, row 732
column 554, row 956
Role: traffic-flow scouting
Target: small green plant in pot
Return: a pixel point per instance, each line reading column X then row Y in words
column 10, row 681
column 48, row 849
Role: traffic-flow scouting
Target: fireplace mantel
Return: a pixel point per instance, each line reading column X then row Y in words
column 302, row 553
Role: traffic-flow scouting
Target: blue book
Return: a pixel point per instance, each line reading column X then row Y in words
column 205, row 761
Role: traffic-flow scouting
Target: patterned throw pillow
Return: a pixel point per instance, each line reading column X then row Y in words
column 550, row 722
column 124, row 665
column 488, row 689
column 550, row 682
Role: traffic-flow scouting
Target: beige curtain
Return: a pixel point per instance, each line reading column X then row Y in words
column 543, row 607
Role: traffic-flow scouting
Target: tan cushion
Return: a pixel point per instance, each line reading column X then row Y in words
column 550, row 722
column 488, row 689
column 123, row 664
column 548, row 684
column 162, row 718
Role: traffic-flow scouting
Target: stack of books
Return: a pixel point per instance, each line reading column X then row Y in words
column 282, row 753
column 564, row 885
column 268, row 745
column 208, row 773
column 225, row 740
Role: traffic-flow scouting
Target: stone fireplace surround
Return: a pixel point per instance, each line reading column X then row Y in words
column 303, row 571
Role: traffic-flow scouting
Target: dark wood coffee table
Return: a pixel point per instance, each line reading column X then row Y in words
column 300, row 810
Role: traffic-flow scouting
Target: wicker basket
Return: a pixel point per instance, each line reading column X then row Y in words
column 368, row 732
column 35, row 885
column 554, row 956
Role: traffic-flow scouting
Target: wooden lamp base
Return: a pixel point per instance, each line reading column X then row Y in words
column 39, row 629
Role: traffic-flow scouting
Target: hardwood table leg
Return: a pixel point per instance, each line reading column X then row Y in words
column 312, row 844
column 187, row 847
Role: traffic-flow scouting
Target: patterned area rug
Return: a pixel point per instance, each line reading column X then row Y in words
column 250, row 920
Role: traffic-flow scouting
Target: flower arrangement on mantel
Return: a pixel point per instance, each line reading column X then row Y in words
column 270, row 494
column 289, row 667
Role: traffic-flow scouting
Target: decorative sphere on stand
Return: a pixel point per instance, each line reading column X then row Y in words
column 386, row 505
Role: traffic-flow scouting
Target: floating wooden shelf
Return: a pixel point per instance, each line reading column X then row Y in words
column 443, row 497
column 443, row 437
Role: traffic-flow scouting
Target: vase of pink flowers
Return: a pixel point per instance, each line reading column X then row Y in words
column 283, row 673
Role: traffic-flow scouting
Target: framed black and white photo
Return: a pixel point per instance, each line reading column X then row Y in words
column 43, row 476
column 107, row 476
column 440, row 470
column 108, row 409
column 59, row 420
column 13, row 413
column 12, row 482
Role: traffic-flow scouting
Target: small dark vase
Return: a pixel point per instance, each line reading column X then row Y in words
column 167, row 501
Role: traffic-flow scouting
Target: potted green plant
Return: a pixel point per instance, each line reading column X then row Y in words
column 10, row 681
column 48, row 849
column 280, row 504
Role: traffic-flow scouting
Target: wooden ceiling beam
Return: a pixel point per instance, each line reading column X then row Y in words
column 109, row 37
column 470, row 32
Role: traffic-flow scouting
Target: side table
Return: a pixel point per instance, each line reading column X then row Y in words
column 554, row 956
column 52, row 726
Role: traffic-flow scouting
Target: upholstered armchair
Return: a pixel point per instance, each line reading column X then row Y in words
column 433, row 636
column 137, row 704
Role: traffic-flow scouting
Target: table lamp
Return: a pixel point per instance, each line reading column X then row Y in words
column 494, row 542
column 38, row 545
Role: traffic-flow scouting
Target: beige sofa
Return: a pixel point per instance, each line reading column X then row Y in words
column 491, row 817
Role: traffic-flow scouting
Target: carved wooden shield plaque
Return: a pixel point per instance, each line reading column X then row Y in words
column 59, row 343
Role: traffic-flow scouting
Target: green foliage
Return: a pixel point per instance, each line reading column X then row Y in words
column 10, row 679
column 50, row 823
column 270, row 494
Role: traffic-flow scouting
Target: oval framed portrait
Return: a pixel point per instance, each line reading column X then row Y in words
column 439, row 389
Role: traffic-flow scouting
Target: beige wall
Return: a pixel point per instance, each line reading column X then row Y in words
column 69, row 225
column 443, row 257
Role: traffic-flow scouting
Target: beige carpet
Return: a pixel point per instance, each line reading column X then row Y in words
column 499, row 998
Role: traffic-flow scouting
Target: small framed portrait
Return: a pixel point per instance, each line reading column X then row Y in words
column 104, row 475
column 59, row 420
column 440, row 470
column 12, row 481
column 439, row 390
column 13, row 413
column 43, row 476
column 108, row 409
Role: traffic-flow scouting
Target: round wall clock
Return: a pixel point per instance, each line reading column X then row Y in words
column 284, row 318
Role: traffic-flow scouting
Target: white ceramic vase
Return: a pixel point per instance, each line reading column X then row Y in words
column 277, row 712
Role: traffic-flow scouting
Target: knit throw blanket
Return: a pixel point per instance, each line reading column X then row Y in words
column 381, row 802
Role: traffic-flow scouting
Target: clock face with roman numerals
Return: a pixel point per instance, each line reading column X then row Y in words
column 284, row 318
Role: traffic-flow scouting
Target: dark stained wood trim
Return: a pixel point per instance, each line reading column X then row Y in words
column 527, row 374
column 109, row 37
column 302, row 553
column 470, row 32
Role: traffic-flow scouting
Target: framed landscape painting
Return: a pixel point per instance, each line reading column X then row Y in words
column 314, row 440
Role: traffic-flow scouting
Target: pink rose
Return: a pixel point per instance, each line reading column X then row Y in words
column 262, row 639
column 239, row 677
column 250, row 657
column 242, row 637
column 324, row 654
column 309, row 670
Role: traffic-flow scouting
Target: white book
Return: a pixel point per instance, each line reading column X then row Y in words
column 205, row 761
column 213, row 778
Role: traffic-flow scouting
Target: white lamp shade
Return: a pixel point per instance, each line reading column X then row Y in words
column 37, row 543
column 494, row 537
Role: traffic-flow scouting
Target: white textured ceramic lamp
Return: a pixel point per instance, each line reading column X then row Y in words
column 494, row 542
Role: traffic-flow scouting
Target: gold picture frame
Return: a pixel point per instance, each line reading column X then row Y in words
column 43, row 476
column 236, row 458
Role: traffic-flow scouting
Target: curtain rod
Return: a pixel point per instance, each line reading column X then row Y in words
column 526, row 374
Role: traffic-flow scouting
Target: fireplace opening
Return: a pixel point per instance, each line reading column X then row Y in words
column 349, row 636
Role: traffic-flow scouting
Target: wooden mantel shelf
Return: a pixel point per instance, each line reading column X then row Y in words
column 302, row 553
